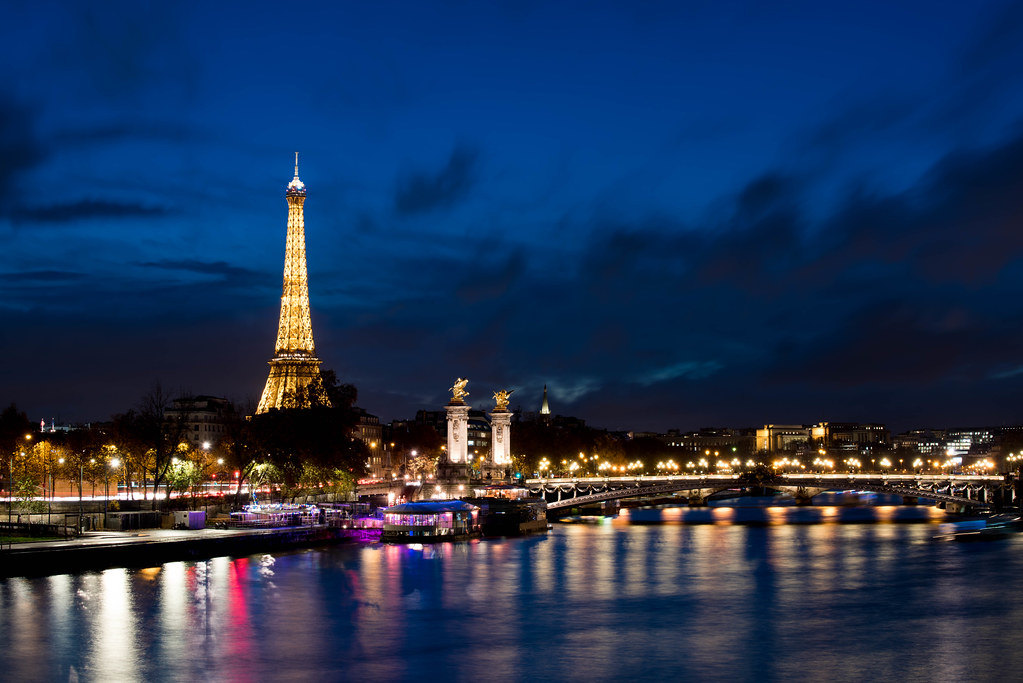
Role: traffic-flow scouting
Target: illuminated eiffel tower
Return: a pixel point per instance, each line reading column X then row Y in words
column 294, row 366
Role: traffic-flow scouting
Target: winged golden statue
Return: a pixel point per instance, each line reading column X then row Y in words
column 458, row 391
column 501, row 397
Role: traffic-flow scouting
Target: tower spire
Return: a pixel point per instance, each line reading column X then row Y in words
column 294, row 366
column 545, row 408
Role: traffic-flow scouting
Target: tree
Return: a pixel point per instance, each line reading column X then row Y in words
column 135, row 454
column 152, row 438
column 14, row 427
column 82, row 448
column 319, row 438
column 420, row 439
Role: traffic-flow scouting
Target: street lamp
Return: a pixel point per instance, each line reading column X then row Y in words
column 114, row 463
column 205, row 465
column 53, row 477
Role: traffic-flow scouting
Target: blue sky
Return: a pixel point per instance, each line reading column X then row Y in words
column 672, row 214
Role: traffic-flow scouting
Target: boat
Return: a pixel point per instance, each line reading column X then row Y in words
column 508, row 510
column 990, row 529
column 429, row 521
column 511, row 516
column 276, row 515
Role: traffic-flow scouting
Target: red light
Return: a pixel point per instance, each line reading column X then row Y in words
column 236, row 474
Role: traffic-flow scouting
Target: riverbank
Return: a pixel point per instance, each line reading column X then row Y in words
column 153, row 547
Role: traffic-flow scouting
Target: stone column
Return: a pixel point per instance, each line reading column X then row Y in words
column 500, row 427
column 458, row 431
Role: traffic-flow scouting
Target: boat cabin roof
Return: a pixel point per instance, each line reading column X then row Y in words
column 430, row 507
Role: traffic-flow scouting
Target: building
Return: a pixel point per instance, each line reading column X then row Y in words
column 202, row 419
column 960, row 442
column 725, row 441
column 294, row 369
column 922, row 441
column 478, row 439
column 370, row 431
column 849, row 436
column 782, row 438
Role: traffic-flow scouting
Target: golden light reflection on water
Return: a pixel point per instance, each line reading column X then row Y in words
column 112, row 653
column 723, row 515
column 778, row 515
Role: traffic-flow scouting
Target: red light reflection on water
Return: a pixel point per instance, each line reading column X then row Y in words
column 240, row 644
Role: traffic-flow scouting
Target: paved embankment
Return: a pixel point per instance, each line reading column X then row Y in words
column 150, row 547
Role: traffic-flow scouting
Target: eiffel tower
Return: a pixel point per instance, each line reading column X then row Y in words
column 294, row 366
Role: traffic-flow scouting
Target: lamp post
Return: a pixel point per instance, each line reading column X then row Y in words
column 81, row 485
column 205, row 466
column 53, row 477
column 10, row 500
column 114, row 463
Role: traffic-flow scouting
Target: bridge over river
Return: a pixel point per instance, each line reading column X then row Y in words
column 956, row 492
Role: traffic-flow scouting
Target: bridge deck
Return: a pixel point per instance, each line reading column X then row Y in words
column 931, row 487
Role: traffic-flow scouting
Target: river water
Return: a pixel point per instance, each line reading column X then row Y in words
column 587, row 602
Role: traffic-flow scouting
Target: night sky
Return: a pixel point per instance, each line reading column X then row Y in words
column 674, row 214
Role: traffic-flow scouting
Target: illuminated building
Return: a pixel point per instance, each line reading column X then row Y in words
column 850, row 436
column 294, row 366
column 724, row 440
column 202, row 419
column 776, row 438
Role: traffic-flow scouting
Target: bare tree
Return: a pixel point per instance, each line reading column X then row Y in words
column 157, row 435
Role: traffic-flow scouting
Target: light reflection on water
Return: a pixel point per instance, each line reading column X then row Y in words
column 588, row 602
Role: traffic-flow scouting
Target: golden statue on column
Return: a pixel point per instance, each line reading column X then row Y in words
column 458, row 391
column 501, row 398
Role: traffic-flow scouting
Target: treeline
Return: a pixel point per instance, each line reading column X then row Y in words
column 293, row 450
column 534, row 440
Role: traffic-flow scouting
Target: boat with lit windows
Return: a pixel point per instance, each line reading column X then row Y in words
column 507, row 510
column 429, row 521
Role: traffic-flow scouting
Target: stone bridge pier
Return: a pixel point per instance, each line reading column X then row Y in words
column 803, row 495
column 699, row 497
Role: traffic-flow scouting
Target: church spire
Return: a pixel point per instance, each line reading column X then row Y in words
column 545, row 409
column 295, row 365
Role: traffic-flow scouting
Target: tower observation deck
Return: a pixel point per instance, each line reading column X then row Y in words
column 294, row 366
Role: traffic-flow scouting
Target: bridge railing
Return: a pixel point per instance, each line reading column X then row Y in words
column 780, row 478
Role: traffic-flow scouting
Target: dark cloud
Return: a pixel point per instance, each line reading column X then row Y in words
column 57, row 276
column 20, row 149
column 998, row 42
column 425, row 192
column 218, row 268
column 87, row 209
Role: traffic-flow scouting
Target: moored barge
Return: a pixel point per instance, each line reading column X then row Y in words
column 429, row 521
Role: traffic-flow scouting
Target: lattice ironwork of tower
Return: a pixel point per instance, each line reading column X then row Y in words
column 294, row 369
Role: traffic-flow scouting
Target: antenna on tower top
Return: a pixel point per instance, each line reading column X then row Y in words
column 296, row 187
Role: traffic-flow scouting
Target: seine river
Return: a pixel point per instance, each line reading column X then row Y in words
column 608, row 601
